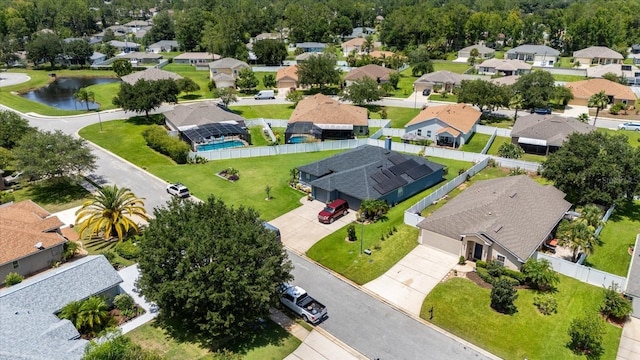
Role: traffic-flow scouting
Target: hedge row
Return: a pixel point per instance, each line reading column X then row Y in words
column 513, row 276
column 159, row 140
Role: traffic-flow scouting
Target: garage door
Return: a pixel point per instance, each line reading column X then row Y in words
column 444, row 243
column 286, row 84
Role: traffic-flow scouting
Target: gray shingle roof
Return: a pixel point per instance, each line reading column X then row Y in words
column 442, row 77
column 165, row 44
column 50, row 291
column 228, row 63
column 523, row 211
column 534, row 49
column 353, row 172
column 150, row 74
column 200, row 114
column 482, row 49
column 598, row 52
column 552, row 128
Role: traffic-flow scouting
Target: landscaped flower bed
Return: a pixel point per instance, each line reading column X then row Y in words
column 230, row 174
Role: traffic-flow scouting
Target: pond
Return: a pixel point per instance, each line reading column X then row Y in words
column 59, row 94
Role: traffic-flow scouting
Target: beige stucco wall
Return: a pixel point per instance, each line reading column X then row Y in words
column 441, row 242
column 41, row 260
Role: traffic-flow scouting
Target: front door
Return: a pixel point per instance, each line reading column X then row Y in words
column 477, row 251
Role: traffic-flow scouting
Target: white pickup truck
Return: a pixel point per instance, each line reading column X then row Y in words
column 297, row 299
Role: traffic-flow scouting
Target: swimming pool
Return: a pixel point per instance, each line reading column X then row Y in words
column 297, row 139
column 220, row 145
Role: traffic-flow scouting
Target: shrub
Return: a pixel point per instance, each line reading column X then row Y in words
column 495, row 269
column 508, row 279
column 159, row 140
column 462, row 260
column 540, row 273
column 69, row 249
column 481, row 264
column 484, row 275
column 124, row 302
column 586, row 335
column 461, row 171
column 516, row 275
column 127, row 250
column 13, row 278
column 6, row 197
column 517, row 171
column 546, row 304
column 614, row 305
column 502, row 297
column 615, row 108
column 351, row 232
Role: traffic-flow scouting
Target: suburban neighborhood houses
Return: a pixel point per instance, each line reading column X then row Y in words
column 319, row 180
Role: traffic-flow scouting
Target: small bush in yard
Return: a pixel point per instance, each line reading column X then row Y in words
column 128, row 250
column 495, row 269
column 461, row 260
column 614, row 305
column 13, row 278
column 351, row 232
column 484, row 275
column 502, row 297
column 125, row 303
column 587, row 333
column 546, row 304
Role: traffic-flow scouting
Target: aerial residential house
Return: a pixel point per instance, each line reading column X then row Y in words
column 583, row 90
column 484, row 53
column 505, row 219
column 97, row 58
column 287, row 77
column 163, row 46
column 267, row 36
column 29, row 327
column 224, row 72
column 503, row 67
column 137, row 58
column 539, row 55
column 150, row 74
column 370, row 172
column 597, row 55
column 629, row 72
column 443, row 78
column 360, row 32
column 200, row 60
column 305, row 56
column 321, row 117
column 448, row 125
column 202, row 123
column 311, row 46
column 119, row 31
column 375, row 72
column 125, row 46
column 137, row 24
column 544, row 134
column 354, row 45
column 30, row 239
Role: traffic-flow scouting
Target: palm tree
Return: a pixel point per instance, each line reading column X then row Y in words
column 367, row 46
column 93, row 314
column 515, row 103
column 584, row 117
column 71, row 312
column 84, row 96
column 577, row 235
column 598, row 101
column 110, row 210
column 592, row 215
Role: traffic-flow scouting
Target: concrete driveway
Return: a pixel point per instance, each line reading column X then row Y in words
column 318, row 346
column 300, row 228
column 409, row 281
column 629, row 347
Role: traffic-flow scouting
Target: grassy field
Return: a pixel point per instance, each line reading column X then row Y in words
column 476, row 143
column 53, row 196
column 405, row 85
column 345, row 258
column 618, row 234
column 399, row 116
column 499, row 140
column 257, row 136
column 200, row 77
column 124, row 138
column 273, row 343
column 449, row 98
column 458, row 68
column 565, row 62
column 275, row 111
column 463, row 308
column 632, row 136
column 100, row 246
column 568, row 78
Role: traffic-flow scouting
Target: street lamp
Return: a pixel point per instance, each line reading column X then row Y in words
column 361, row 235
column 100, row 120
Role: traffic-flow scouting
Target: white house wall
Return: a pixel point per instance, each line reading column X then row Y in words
column 433, row 125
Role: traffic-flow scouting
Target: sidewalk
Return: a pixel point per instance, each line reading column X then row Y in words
column 629, row 347
column 129, row 275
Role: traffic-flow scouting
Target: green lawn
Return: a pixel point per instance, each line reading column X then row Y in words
column 617, row 235
column 499, row 140
column 565, row 62
column 568, row 78
column 273, row 343
column 463, row 308
column 344, row 257
column 632, row 136
column 458, row 68
column 405, row 85
column 100, row 246
column 276, row 111
column 53, row 196
column 476, row 143
column 257, row 136
column 399, row 116
column 449, row 98
column 200, row 77
column 124, row 139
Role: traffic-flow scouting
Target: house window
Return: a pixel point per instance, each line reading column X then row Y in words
column 400, row 192
column 16, row 264
column 500, row 259
column 419, row 132
column 429, row 133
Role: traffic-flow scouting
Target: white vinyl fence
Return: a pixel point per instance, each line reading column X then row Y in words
column 245, row 152
column 265, row 127
column 490, row 130
column 412, row 215
column 513, row 164
column 606, row 217
column 486, row 148
column 583, row 273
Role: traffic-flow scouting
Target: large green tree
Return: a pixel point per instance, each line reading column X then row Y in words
column 111, row 211
column 145, row 95
column 79, row 50
column 12, row 128
column 211, row 268
column 188, row 28
column 362, row 91
column 247, row 80
column 319, row 70
column 540, row 273
column 577, row 235
column 46, row 155
column 122, row 67
column 537, row 89
column 271, row 52
column 595, row 168
column 44, row 47
column 163, row 29
column 586, row 335
column 483, row 94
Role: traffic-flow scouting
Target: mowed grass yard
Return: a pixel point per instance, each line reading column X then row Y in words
column 344, row 257
column 633, row 137
column 618, row 234
column 499, row 140
column 53, row 196
column 476, row 143
column 273, row 343
column 463, row 308
column 124, row 138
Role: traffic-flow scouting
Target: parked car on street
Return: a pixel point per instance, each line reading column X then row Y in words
column 298, row 301
column 541, row 111
column 333, row 210
column 629, row 126
column 178, row 190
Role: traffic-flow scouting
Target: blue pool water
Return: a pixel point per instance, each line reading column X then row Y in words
column 220, row 145
column 297, row 139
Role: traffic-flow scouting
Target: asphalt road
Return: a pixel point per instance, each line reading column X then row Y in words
column 372, row 327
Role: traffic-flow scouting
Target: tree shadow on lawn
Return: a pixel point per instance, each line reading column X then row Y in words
column 155, row 119
column 629, row 209
column 373, row 108
column 261, row 334
column 56, row 191
column 190, row 97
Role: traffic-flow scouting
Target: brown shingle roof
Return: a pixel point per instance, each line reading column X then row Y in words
column 372, row 71
column 585, row 88
column 321, row 109
column 380, row 53
column 515, row 211
column 353, row 42
column 461, row 117
column 150, row 74
column 289, row 72
column 24, row 224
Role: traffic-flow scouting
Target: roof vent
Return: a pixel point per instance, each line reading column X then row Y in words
column 513, row 194
column 39, row 246
column 497, row 228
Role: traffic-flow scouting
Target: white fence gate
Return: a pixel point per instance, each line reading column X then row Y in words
column 583, row 273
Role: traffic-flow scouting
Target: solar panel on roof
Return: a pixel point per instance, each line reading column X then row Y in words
column 397, row 169
column 379, row 189
column 379, row 177
column 387, row 173
column 419, row 171
column 396, row 159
